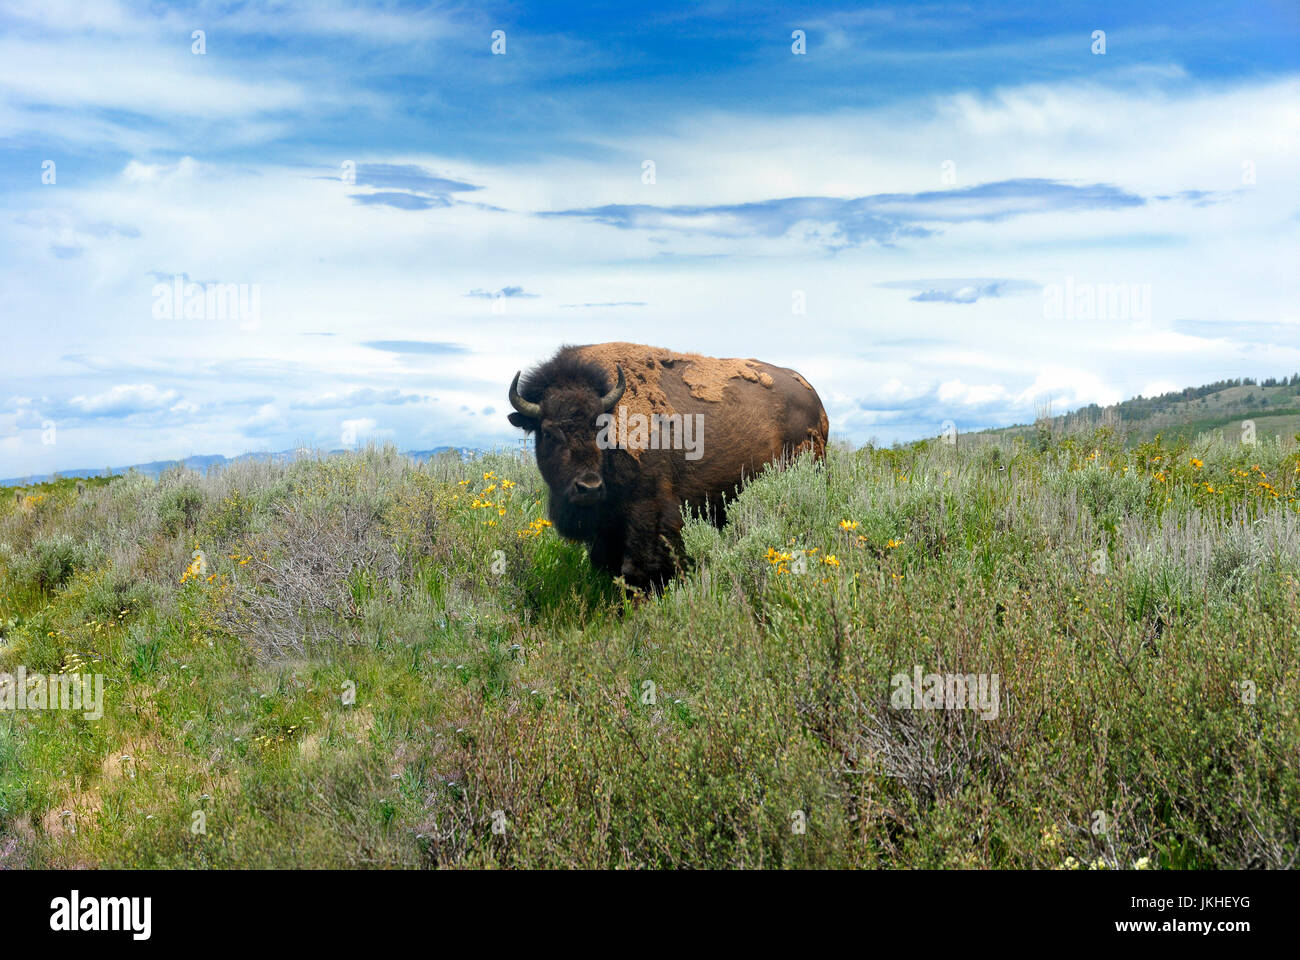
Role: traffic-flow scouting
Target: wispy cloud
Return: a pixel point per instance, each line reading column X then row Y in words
column 608, row 303
column 68, row 237
column 409, row 176
column 399, row 201
column 357, row 397
column 960, row 290
column 883, row 218
column 415, row 346
column 508, row 292
column 405, row 186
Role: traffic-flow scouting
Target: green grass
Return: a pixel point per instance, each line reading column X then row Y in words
column 1274, row 423
column 369, row 669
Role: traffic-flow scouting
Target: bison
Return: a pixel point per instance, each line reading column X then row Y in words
column 626, row 435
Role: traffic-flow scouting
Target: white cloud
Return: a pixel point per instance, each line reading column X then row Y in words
column 875, row 355
column 267, row 420
column 161, row 79
column 123, row 400
column 186, row 168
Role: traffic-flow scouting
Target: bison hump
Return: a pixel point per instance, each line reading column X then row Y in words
column 644, row 368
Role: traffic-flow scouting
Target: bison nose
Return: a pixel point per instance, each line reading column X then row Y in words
column 587, row 485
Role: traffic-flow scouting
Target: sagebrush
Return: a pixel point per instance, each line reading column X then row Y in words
column 359, row 660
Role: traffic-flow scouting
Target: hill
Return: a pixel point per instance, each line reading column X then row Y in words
column 200, row 463
column 1273, row 405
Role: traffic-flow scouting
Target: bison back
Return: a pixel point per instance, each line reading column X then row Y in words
column 753, row 413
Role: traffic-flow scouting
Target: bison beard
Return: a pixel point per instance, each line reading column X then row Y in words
column 626, row 502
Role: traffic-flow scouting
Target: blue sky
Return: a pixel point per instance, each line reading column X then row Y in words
column 411, row 218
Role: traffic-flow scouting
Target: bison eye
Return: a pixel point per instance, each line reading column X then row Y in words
column 552, row 435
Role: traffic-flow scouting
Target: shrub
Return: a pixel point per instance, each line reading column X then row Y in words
column 51, row 562
column 179, row 507
column 382, row 661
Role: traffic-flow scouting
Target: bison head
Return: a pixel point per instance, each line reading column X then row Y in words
column 563, row 417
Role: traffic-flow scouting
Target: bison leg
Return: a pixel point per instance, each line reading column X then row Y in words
column 654, row 547
column 606, row 552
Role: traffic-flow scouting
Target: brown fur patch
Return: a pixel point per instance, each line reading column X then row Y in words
column 644, row 368
column 707, row 376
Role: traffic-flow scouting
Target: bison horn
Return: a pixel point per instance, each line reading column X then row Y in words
column 615, row 395
column 526, row 407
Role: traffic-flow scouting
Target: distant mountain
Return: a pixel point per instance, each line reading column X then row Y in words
column 1273, row 404
column 202, row 463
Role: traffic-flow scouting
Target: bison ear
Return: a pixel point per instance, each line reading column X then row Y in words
column 524, row 423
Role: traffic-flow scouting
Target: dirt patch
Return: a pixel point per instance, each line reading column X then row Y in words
column 73, row 813
column 356, row 723
column 122, row 764
column 17, row 846
column 78, row 807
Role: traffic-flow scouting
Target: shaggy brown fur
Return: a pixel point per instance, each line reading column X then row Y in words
column 625, row 504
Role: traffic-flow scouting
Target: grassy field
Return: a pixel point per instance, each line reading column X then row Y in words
column 360, row 661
